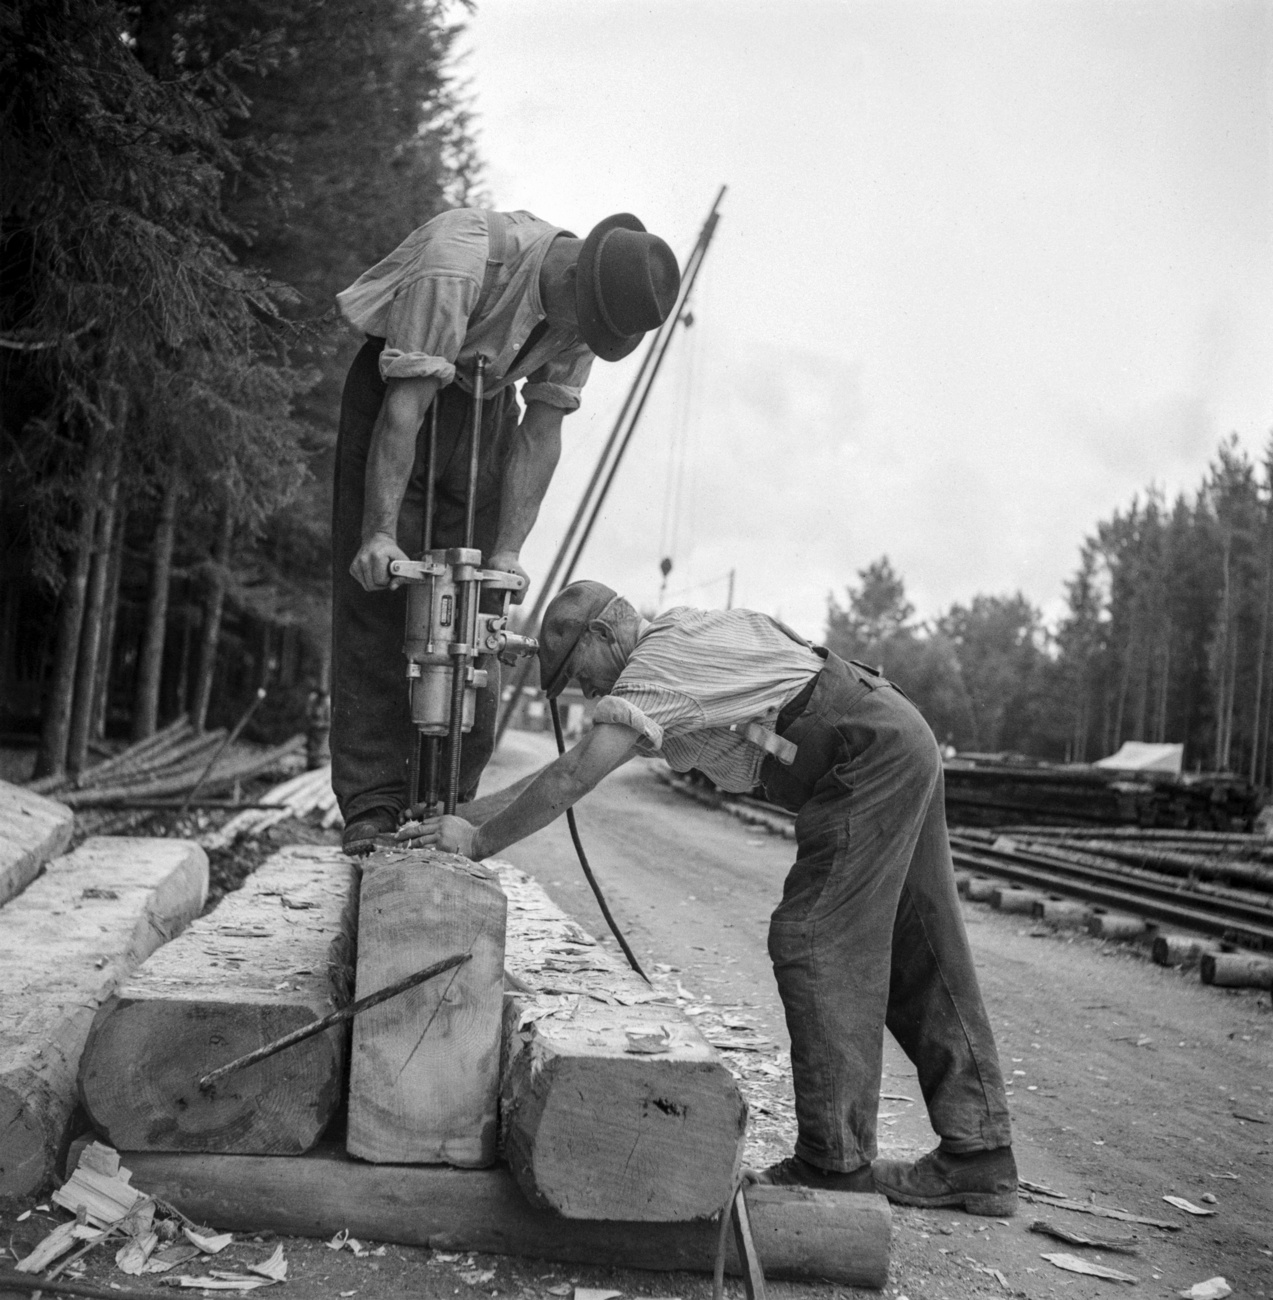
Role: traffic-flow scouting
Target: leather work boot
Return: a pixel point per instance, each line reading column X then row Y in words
column 979, row 1182
column 360, row 835
column 795, row 1172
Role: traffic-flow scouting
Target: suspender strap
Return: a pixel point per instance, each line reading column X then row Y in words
column 497, row 238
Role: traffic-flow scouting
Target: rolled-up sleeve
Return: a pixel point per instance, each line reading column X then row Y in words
column 614, row 708
column 427, row 323
column 559, row 382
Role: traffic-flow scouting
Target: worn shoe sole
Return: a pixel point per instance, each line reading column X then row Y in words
column 994, row 1205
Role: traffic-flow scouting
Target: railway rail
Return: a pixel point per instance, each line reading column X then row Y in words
column 1190, row 891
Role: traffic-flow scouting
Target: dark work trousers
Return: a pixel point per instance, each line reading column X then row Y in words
column 869, row 932
column 371, row 731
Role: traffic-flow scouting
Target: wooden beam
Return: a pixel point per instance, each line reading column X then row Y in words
column 614, row 1106
column 272, row 957
column 33, row 829
column 424, row 1076
column 66, row 943
column 799, row 1234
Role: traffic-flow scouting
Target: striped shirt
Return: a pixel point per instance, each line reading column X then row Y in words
column 694, row 674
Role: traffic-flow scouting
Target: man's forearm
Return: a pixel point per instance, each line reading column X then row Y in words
column 554, row 790
column 391, row 456
column 527, row 473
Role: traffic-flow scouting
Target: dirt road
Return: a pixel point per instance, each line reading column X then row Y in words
column 1130, row 1082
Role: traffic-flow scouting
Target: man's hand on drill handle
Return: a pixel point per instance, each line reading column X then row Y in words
column 445, row 833
column 507, row 562
column 371, row 564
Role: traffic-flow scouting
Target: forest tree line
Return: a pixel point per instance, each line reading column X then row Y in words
column 184, row 187
column 1167, row 637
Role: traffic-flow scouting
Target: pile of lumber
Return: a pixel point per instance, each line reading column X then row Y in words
column 985, row 792
column 298, row 797
column 538, row 1098
column 68, row 939
column 168, row 764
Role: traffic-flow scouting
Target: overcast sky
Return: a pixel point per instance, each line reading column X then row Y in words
column 983, row 272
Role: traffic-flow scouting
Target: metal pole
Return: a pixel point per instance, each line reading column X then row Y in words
column 424, row 753
column 644, row 379
column 213, row 1077
column 475, row 447
column 462, row 652
column 691, row 274
column 225, row 744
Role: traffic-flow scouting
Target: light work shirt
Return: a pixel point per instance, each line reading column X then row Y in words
column 695, row 673
column 421, row 300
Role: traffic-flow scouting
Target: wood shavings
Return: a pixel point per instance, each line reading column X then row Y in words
column 1073, row 1264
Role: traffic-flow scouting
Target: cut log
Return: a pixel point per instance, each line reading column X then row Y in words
column 614, row 1106
column 1067, row 913
column 1118, row 925
column 66, row 943
column 1181, row 949
column 799, row 1234
column 1237, row 970
column 424, row 1079
column 33, row 829
column 1008, row 898
column 980, row 890
column 274, row 956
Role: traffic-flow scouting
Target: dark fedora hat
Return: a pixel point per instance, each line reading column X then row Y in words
column 566, row 620
column 627, row 283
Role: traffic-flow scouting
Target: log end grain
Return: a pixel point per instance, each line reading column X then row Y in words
column 273, row 957
column 139, row 1077
column 595, row 1132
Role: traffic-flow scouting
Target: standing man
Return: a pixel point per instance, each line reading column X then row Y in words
column 538, row 304
column 869, row 933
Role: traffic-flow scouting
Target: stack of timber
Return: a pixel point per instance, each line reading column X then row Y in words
column 33, row 829
column 272, row 957
column 424, row 1081
column 622, row 1127
column 167, row 765
column 297, row 797
column 66, row 943
column 988, row 791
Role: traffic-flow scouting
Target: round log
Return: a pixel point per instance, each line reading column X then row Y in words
column 1237, row 970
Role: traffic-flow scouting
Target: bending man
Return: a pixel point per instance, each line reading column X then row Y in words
column 538, row 304
column 869, row 932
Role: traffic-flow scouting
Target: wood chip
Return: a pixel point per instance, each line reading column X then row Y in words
column 1123, row 1246
column 275, row 1267
column 210, row 1243
column 1187, row 1206
column 1101, row 1211
column 1072, row 1264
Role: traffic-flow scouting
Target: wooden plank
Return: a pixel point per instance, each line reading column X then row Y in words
column 274, row 956
column 592, row 1127
column 799, row 1234
column 66, row 943
column 424, row 1078
column 33, row 829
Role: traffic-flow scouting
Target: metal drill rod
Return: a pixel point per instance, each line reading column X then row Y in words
column 210, row 1080
column 419, row 762
column 467, row 596
column 475, row 448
